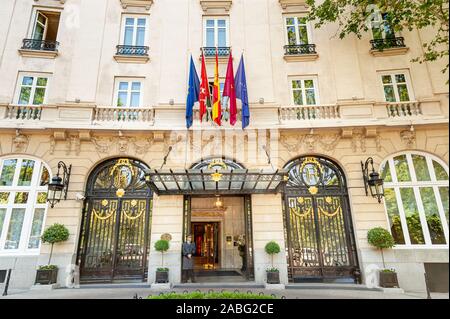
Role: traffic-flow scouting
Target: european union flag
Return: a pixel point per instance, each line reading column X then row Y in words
column 193, row 94
column 242, row 94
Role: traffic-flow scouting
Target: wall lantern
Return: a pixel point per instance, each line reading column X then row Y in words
column 57, row 188
column 372, row 180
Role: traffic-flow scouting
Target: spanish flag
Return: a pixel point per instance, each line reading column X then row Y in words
column 217, row 107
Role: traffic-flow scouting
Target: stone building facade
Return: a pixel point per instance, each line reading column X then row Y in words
column 104, row 80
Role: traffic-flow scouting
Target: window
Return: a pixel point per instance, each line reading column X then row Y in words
column 23, row 204
column 297, row 31
column 32, row 89
column 216, row 32
column 396, row 87
column 128, row 93
column 381, row 28
column 134, row 31
column 416, row 199
column 45, row 26
column 304, row 91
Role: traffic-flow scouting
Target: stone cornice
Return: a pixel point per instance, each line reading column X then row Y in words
column 216, row 6
column 137, row 3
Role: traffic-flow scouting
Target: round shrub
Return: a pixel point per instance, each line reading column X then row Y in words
column 162, row 245
column 380, row 238
column 55, row 234
column 272, row 248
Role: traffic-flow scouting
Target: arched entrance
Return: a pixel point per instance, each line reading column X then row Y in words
column 114, row 240
column 320, row 239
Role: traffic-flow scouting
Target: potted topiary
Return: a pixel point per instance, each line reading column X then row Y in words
column 273, row 274
column 382, row 239
column 162, row 273
column 48, row 274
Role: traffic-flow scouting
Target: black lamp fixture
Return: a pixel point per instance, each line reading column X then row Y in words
column 57, row 188
column 372, row 180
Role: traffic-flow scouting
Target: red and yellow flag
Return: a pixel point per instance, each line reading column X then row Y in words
column 205, row 95
column 217, row 107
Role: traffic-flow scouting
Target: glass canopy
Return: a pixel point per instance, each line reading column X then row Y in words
column 214, row 181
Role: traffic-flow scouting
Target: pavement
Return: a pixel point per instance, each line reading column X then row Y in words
column 141, row 291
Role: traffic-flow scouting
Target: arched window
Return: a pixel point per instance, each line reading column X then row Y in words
column 416, row 198
column 23, row 204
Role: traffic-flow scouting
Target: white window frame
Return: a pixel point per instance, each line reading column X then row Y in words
column 303, row 79
column 296, row 24
column 135, row 27
column 381, row 21
column 129, row 91
column 35, row 76
column 216, row 30
column 30, row 206
column 416, row 185
column 36, row 12
column 392, row 74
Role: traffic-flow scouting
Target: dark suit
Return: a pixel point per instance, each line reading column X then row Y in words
column 188, row 263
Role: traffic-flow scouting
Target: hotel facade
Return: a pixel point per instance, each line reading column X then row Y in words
column 101, row 86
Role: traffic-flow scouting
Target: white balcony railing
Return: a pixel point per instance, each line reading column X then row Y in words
column 404, row 109
column 23, row 112
column 300, row 112
column 124, row 114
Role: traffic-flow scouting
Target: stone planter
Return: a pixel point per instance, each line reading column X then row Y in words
column 46, row 277
column 273, row 277
column 162, row 277
column 388, row 280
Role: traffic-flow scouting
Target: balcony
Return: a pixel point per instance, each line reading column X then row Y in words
column 132, row 54
column 305, row 113
column 210, row 54
column 135, row 116
column 302, row 52
column 23, row 112
column 403, row 109
column 388, row 46
column 39, row 48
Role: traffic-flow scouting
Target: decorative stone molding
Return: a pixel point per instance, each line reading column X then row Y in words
column 105, row 145
column 137, row 3
column 20, row 142
column 60, row 1
column 301, row 57
column 409, row 138
column 38, row 54
column 137, row 59
column 288, row 4
column 101, row 146
column 389, row 52
column 293, row 143
column 216, row 6
column 142, row 148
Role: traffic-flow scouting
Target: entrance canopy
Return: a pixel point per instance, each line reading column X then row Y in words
column 215, row 181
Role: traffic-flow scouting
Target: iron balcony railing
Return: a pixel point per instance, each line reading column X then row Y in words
column 387, row 43
column 132, row 50
column 211, row 51
column 300, row 49
column 40, row 45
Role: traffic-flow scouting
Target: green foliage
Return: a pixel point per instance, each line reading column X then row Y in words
column 272, row 248
column 389, row 271
column 380, row 238
column 162, row 269
column 162, row 245
column 48, row 267
column 211, row 295
column 354, row 16
column 272, row 270
column 55, row 234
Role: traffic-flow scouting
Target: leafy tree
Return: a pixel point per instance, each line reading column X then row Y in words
column 355, row 16
column 381, row 239
column 55, row 234
column 272, row 248
column 162, row 246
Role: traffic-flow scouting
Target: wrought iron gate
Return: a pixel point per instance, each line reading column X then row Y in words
column 116, row 223
column 319, row 231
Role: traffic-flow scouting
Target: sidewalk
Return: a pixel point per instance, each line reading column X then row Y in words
column 130, row 292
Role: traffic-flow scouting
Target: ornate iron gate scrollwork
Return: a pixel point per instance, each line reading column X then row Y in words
column 319, row 232
column 114, row 241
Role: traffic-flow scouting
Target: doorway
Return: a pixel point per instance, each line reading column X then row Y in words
column 221, row 228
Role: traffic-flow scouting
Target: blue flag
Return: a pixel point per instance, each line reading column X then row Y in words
column 242, row 94
column 193, row 94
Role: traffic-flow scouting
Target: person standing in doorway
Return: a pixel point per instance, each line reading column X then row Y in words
column 188, row 250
